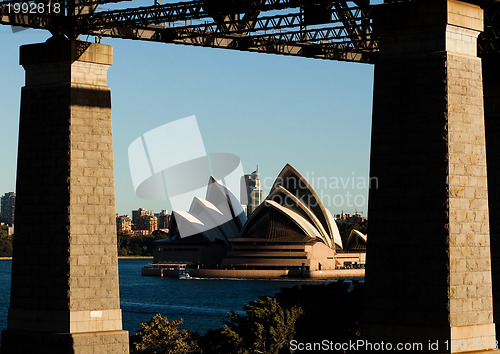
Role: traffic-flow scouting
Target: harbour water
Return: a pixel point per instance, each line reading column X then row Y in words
column 202, row 303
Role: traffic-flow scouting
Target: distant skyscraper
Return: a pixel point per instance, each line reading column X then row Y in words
column 163, row 219
column 250, row 186
column 8, row 206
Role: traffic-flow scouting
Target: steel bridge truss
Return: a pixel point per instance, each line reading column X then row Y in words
column 336, row 30
column 339, row 30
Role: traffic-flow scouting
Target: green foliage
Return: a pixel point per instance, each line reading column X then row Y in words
column 346, row 228
column 143, row 245
column 5, row 242
column 265, row 328
column 307, row 313
column 158, row 234
column 332, row 311
column 159, row 336
column 5, row 246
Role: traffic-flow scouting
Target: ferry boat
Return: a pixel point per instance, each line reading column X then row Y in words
column 170, row 269
column 184, row 274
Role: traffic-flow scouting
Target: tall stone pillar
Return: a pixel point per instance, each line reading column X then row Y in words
column 64, row 293
column 491, row 81
column 491, row 87
column 428, row 272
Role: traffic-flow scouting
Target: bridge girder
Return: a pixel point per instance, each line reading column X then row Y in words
column 323, row 29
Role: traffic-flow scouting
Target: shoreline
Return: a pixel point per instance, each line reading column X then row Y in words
column 255, row 273
column 277, row 274
column 119, row 257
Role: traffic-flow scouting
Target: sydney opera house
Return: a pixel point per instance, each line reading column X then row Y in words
column 201, row 235
column 290, row 234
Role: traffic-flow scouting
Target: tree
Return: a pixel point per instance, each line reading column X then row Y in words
column 265, row 328
column 346, row 228
column 159, row 336
column 6, row 246
column 332, row 311
column 143, row 245
column 5, row 242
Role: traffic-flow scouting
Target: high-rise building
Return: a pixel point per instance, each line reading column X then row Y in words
column 8, row 206
column 149, row 223
column 123, row 224
column 251, row 187
column 138, row 214
column 163, row 220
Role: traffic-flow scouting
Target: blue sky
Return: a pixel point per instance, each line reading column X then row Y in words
column 269, row 110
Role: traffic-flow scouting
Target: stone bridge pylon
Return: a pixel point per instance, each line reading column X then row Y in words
column 64, row 293
column 428, row 272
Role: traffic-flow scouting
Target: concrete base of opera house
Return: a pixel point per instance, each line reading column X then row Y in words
column 260, row 273
column 275, row 273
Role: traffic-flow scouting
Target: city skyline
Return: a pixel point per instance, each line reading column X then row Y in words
column 268, row 110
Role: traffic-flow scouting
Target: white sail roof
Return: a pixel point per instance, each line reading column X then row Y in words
column 335, row 230
column 219, row 216
column 293, row 196
column 301, row 222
